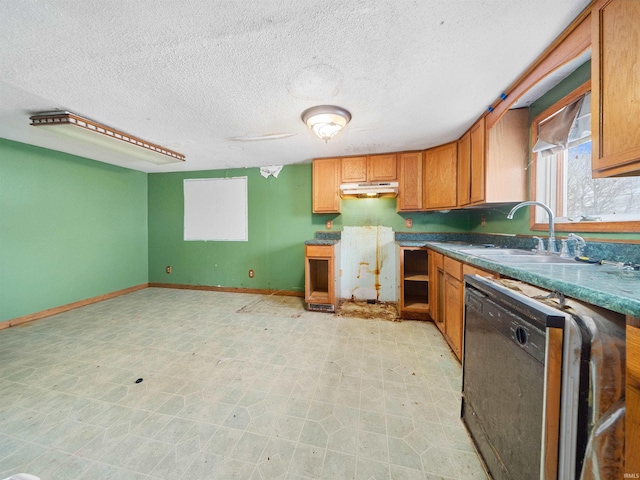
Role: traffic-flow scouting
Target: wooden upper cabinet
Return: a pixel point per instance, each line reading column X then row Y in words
column 353, row 169
column 410, row 182
column 326, row 185
column 477, row 161
column 464, row 170
column 615, row 80
column 507, row 155
column 440, row 174
column 498, row 159
column 382, row 168
column 372, row 168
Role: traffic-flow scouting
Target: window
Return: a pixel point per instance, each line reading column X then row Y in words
column 561, row 173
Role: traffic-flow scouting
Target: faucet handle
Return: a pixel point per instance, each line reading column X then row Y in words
column 580, row 243
column 540, row 245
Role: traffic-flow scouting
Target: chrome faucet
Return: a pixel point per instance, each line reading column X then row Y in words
column 551, row 247
column 580, row 243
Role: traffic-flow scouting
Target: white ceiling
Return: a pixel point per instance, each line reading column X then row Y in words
column 209, row 77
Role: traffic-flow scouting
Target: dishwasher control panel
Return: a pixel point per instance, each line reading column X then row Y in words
column 528, row 335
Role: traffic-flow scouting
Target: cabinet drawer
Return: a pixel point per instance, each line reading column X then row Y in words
column 319, row 250
column 471, row 270
column 438, row 260
column 453, row 267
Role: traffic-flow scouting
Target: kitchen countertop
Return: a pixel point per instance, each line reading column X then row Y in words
column 325, row 238
column 321, row 241
column 607, row 286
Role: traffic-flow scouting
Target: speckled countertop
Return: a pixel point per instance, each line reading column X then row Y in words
column 321, row 241
column 325, row 238
column 606, row 286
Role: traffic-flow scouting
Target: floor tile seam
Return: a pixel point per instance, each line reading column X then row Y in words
column 46, row 447
column 365, row 459
column 144, row 441
column 257, row 462
column 75, row 456
column 23, row 441
column 116, row 466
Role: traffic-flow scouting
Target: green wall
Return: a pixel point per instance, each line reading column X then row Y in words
column 495, row 219
column 70, row 229
column 280, row 220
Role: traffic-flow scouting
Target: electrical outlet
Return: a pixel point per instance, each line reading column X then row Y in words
column 328, row 224
column 483, row 221
column 168, row 268
column 250, row 273
column 408, row 223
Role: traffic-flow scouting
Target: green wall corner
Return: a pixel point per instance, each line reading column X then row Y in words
column 70, row 229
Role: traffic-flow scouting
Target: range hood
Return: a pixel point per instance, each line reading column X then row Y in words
column 373, row 189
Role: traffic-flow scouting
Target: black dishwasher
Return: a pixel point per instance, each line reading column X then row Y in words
column 543, row 382
column 504, row 378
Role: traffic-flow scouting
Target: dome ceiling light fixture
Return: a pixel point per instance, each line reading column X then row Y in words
column 326, row 121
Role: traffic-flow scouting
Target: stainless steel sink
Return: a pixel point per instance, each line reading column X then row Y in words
column 514, row 255
column 526, row 258
column 491, row 252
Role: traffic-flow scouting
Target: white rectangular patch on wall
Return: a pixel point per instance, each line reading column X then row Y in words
column 216, row 209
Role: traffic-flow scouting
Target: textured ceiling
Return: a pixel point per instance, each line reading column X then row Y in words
column 208, row 78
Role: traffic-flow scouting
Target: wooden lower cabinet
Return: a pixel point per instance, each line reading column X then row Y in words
column 632, row 427
column 320, row 279
column 414, row 283
column 453, row 311
column 446, row 291
column 436, row 289
column 447, row 299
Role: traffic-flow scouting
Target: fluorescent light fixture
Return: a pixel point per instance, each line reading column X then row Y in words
column 326, row 121
column 87, row 130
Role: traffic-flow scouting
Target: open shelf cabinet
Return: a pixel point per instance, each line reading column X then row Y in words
column 414, row 283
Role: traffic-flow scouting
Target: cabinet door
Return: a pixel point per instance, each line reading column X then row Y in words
column 632, row 420
column 453, row 311
column 477, row 136
column 382, row 168
column 410, row 182
column 433, row 291
column 615, row 97
column 436, row 289
column 353, row 169
column 506, row 157
column 440, row 174
column 464, row 170
column 326, row 196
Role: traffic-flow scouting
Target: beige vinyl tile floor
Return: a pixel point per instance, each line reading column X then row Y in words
column 234, row 386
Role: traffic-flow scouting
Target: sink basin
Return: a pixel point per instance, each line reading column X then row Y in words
column 526, row 258
column 482, row 252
